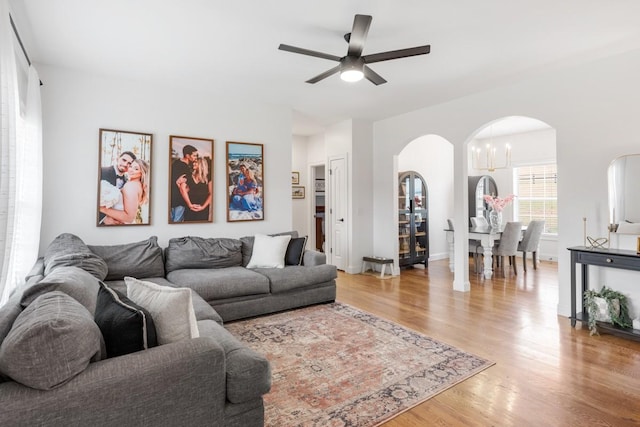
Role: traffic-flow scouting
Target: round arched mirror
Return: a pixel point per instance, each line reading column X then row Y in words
column 624, row 203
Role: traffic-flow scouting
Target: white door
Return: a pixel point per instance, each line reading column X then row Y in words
column 338, row 212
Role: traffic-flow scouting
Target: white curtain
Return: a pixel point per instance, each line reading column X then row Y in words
column 20, row 163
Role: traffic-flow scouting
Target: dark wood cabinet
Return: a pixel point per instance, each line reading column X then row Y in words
column 413, row 219
column 609, row 258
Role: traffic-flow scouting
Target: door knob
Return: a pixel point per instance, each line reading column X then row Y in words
column 341, row 220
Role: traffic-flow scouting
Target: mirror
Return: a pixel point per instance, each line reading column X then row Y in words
column 478, row 187
column 624, row 202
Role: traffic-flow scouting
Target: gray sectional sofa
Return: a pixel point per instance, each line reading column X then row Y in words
column 210, row 378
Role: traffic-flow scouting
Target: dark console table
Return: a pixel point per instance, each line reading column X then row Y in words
column 611, row 258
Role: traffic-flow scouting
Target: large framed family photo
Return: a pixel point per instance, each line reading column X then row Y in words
column 245, row 181
column 124, row 178
column 190, row 180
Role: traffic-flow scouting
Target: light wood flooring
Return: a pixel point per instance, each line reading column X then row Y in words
column 546, row 373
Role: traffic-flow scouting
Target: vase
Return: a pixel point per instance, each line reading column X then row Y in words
column 495, row 219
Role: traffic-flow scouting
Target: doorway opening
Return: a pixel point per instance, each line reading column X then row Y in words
column 318, row 207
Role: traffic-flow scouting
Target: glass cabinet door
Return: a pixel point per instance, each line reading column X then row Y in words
column 413, row 219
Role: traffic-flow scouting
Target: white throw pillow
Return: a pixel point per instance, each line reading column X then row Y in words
column 269, row 251
column 171, row 309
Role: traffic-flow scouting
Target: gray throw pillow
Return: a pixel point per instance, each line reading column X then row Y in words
column 198, row 252
column 68, row 250
column 73, row 281
column 51, row 341
column 139, row 259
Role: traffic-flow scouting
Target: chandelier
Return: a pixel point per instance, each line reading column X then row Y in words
column 487, row 161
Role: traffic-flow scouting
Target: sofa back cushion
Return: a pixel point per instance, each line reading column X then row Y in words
column 51, row 341
column 68, row 250
column 199, row 252
column 139, row 259
column 73, row 281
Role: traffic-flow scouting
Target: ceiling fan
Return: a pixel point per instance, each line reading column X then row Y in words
column 353, row 66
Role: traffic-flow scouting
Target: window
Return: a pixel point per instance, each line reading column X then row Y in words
column 537, row 191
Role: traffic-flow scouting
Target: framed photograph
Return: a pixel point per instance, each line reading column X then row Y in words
column 124, row 178
column 319, row 185
column 190, row 179
column 245, row 185
column 297, row 192
column 295, row 178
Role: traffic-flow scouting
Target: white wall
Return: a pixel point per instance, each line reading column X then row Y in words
column 594, row 110
column 76, row 105
column 432, row 157
column 301, row 207
column 361, row 200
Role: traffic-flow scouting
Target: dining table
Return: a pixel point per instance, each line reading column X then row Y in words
column 487, row 236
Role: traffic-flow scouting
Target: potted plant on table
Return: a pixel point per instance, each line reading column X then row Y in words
column 606, row 305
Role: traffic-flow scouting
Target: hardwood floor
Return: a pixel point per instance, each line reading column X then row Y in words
column 546, row 373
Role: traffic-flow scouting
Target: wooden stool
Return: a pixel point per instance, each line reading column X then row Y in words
column 376, row 260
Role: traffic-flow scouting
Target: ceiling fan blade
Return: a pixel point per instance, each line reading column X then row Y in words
column 361, row 24
column 324, row 75
column 308, row 52
column 395, row 54
column 373, row 77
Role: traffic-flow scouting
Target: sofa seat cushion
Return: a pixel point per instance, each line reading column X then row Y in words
column 68, row 250
column 51, row 341
column 248, row 372
column 221, row 283
column 139, row 259
column 296, row 277
column 202, row 308
column 198, row 252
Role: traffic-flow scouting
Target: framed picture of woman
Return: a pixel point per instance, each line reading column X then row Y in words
column 245, row 183
column 190, row 180
column 124, row 178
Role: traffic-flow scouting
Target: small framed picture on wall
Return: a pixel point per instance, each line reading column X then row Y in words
column 190, row 180
column 297, row 192
column 295, row 178
column 124, row 178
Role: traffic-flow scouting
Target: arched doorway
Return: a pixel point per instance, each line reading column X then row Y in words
column 510, row 151
column 431, row 156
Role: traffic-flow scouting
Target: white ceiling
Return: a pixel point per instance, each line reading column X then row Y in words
column 229, row 48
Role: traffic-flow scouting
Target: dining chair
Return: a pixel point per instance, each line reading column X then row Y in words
column 508, row 246
column 530, row 242
column 479, row 221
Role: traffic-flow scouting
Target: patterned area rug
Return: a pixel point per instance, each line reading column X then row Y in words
column 334, row 365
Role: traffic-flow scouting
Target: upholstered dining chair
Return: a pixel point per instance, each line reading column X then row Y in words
column 508, row 246
column 530, row 242
column 479, row 221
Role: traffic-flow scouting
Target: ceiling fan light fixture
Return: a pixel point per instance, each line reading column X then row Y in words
column 352, row 75
column 351, row 69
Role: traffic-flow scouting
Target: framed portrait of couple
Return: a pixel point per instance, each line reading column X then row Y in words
column 124, row 178
column 245, row 182
column 190, row 180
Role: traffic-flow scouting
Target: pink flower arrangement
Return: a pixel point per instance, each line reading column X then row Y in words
column 498, row 203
